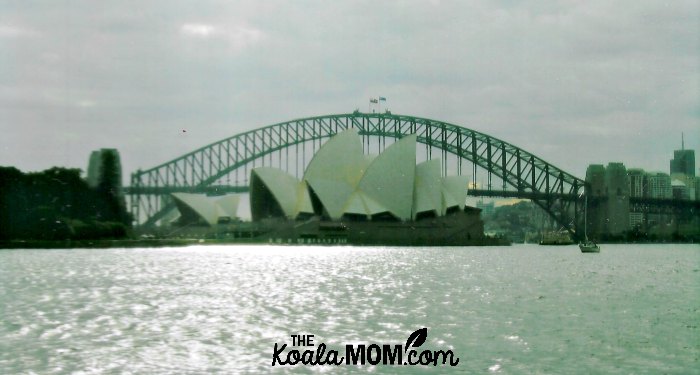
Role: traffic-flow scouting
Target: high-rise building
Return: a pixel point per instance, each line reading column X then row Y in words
column 595, row 179
column 595, row 210
column 608, row 204
column 95, row 166
column 638, row 182
column 618, row 207
column 683, row 162
column 637, row 179
column 658, row 185
column 679, row 190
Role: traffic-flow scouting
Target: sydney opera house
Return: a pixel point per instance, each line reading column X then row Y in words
column 347, row 197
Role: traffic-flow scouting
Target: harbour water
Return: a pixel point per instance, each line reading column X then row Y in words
column 524, row 309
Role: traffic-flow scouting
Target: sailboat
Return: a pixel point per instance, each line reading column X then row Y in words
column 587, row 246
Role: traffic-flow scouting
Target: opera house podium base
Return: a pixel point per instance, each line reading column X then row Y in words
column 461, row 228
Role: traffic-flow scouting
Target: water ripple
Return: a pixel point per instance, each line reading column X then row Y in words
column 202, row 310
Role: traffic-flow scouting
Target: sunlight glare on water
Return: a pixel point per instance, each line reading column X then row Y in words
column 220, row 309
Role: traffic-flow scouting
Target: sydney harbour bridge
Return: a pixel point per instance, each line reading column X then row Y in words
column 496, row 168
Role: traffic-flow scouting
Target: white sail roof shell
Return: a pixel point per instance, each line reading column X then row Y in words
column 360, row 204
column 389, row 179
column 303, row 199
column 454, row 192
column 346, row 181
column 200, row 205
column 228, row 205
column 373, row 207
column 428, row 188
column 332, row 193
column 210, row 209
column 335, row 171
column 290, row 193
column 355, row 205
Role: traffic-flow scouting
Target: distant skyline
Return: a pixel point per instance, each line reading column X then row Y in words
column 575, row 83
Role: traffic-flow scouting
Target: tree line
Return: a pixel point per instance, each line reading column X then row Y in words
column 523, row 221
column 57, row 204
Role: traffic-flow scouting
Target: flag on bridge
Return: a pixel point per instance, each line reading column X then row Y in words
column 381, row 98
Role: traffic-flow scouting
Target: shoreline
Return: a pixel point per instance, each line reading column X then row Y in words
column 153, row 243
column 179, row 242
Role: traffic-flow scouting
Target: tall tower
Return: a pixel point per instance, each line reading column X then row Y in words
column 608, row 190
column 95, row 166
column 618, row 207
column 596, row 209
column 638, row 185
column 683, row 163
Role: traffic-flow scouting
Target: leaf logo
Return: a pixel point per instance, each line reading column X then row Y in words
column 416, row 338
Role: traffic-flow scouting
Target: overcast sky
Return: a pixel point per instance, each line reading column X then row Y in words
column 575, row 82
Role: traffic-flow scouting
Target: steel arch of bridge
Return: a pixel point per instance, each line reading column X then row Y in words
column 559, row 193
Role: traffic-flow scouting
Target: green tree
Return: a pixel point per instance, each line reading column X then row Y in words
column 58, row 204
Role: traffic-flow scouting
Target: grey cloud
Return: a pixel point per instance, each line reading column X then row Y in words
column 615, row 80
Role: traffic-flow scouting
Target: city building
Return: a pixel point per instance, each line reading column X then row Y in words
column 595, row 191
column 679, row 190
column 658, row 185
column 618, row 204
column 683, row 162
column 637, row 188
column 595, row 180
column 610, row 188
column 637, row 179
column 95, row 166
column 682, row 171
column 608, row 205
